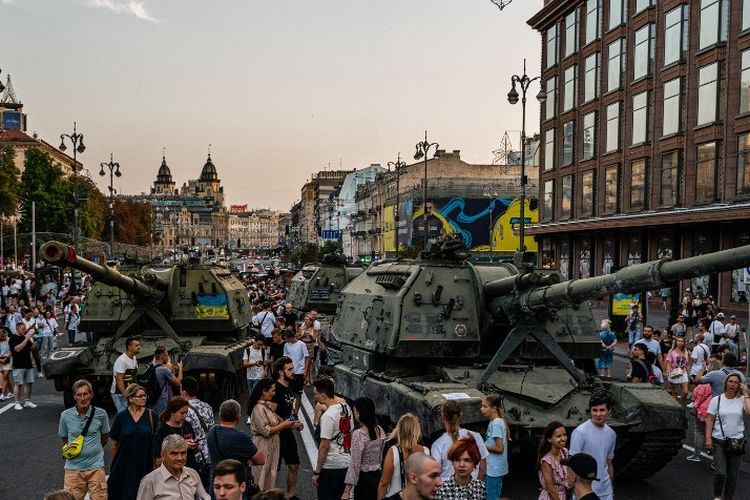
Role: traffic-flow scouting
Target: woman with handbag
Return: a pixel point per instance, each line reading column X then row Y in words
column 725, row 434
column 131, row 439
column 678, row 367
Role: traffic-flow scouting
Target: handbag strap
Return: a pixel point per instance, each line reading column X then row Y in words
column 401, row 466
column 718, row 415
column 88, row 422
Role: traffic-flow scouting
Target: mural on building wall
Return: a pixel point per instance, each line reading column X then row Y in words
column 484, row 224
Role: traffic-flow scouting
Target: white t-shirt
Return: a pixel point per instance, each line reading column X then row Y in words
column 122, row 364
column 700, row 355
column 716, row 328
column 254, row 355
column 440, row 448
column 265, row 321
column 732, row 330
column 599, row 442
column 337, row 458
column 49, row 327
column 731, row 414
column 297, row 352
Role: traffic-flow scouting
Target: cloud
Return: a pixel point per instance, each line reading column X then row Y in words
column 7, row 2
column 137, row 9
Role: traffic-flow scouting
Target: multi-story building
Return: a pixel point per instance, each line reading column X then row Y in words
column 343, row 206
column 646, row 133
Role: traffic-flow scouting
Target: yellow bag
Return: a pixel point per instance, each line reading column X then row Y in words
column 74, row 448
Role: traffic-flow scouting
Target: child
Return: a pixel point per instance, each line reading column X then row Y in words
column 496, row 442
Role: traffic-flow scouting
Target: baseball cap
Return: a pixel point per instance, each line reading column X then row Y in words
column 732, row 317
column 583, row 464
column 720, row 315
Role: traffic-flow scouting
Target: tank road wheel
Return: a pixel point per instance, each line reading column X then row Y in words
column 641, row 455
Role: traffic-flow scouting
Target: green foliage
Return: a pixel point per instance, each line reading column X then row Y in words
column 9, row 185
column 132, row 223
column 309, row 252
column 330, row 246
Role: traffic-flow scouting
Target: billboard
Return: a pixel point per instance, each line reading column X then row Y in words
column 12, row 120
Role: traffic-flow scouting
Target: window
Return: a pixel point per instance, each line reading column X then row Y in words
column 569, row 88
column 615, row 64
column 591, row 78
column 708, row 94
column 705, row 175
column 552, row 46
column 743, row 165
column 566, row 197
column 571, row 33
column 549, row 200
column 613, row 127
column 675, row 35
column 589, row 136
column 745, row 15
column 587, row 194
column 616, row 13
column 549, row 149
column 643, row 55
column 745, row 82
column 671, row 120
column 549, row 104
column 611, row 188
column 569, row 141
column 638, row 185
column 593, row 19
column 713, row 28
column 642, row 4
column 670, row 171
column 640, row 118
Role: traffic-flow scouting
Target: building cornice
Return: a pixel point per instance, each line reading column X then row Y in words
column 551, row 12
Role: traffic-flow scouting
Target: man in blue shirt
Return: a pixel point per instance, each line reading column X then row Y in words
column 85, row 473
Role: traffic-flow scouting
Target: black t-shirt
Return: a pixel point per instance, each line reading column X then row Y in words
column 224, row 443
column 284, row 399
column 396, row 496
column 22, row 358
column 641, row 369
column 185, row 431
column 590, row 496
column 666, row 346
column 291, row 319
column 277, row 350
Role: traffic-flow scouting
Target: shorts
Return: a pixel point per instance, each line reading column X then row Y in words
column 680, row 379
column 298, row 384
column 23, row 376
column 288, row 448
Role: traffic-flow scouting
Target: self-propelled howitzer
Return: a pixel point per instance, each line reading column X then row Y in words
column 414, row 334
column 198, row 312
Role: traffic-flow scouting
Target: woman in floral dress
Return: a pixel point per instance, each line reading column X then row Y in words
column 553, row 475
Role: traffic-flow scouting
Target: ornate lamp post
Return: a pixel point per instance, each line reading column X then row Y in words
column 114, row 171
column 76, row 140
column 397, row 166
column 524, row 82
column 423, row 149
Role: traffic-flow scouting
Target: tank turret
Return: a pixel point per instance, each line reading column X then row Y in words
column 413, row 334
column 198, row 312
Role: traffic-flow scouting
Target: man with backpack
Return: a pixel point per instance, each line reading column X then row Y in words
column 334, row 453
column 265, row 321
column 640, row 369
column 717, row 377
column 158, row 381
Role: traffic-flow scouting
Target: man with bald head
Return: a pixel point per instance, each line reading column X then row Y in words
column 422, row 479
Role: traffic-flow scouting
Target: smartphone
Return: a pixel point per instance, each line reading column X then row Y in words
column 293, row 418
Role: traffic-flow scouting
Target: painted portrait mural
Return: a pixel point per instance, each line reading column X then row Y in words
column 484, row 224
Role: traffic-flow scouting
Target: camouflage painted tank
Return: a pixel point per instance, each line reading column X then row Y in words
column 414, row 334
column 199, row 313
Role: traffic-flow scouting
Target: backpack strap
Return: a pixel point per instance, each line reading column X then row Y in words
column 649, row 369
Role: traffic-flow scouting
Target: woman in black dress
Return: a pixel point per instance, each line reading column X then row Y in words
column 172, row 421
column 131, row 437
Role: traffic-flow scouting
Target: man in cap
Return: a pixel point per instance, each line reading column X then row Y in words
column 731, row 334
column 582, row 472
column 716, row 329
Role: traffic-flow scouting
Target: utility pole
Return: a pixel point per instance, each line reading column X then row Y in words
column 33, row 237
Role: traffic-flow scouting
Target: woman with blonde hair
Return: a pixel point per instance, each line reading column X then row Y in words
column 309, row 336
column 606, row 356
column 407, row 435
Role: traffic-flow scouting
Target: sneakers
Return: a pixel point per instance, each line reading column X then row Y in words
column 694, row 458
column 690, row 405
column 2, row 396
column 9, row 395
column 17, row 406
column 29, row 404
column 248, row 420
column 40, row 375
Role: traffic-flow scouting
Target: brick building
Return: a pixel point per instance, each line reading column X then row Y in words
column 645, row 134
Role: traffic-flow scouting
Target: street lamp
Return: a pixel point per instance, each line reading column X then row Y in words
column 397, row 166
column 423, row 149
column 76, row 140
column 114, row 171
column 2, row 87
column 524, row 82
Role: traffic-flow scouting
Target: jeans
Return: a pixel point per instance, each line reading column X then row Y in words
column 634, row 336
column 119, row 401
column 89, row 337
column 494, row 487
column 72, row 337
column 331, row 484
column 45, row 347
column 699, row 435
column 727, row 469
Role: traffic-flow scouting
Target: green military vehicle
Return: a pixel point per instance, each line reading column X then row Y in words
column 199, row 313
column 413, row 334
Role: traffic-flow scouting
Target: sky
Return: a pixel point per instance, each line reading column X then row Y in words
column 279, row 89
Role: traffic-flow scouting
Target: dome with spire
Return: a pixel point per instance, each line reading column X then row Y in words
column 165, row 175
column 209, row 171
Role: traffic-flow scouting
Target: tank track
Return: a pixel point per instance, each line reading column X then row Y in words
column 641, row 455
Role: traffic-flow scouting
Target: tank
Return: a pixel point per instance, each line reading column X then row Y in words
column 199, row 313
column 413, row 334
column 318, row 285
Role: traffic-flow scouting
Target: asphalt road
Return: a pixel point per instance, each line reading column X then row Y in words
column 31, row 463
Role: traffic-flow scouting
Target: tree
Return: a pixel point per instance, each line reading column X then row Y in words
column 132, row 222
column 330, row 246
column 93, row 209
column 9, row 186
column 43, row 182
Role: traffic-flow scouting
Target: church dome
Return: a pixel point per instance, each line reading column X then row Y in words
column 209, row 171
column 165, row 175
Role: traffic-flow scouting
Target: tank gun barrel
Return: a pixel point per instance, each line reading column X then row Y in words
column 636, row 278
column 60, row 254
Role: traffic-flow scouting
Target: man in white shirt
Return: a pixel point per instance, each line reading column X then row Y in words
column 334, row 457
column 594, row 437
column 700, row 355
column 296, row 350
column 255, row 359
column 716, row 328
column 124, row 372
column 265, row 321
column 731, row 334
